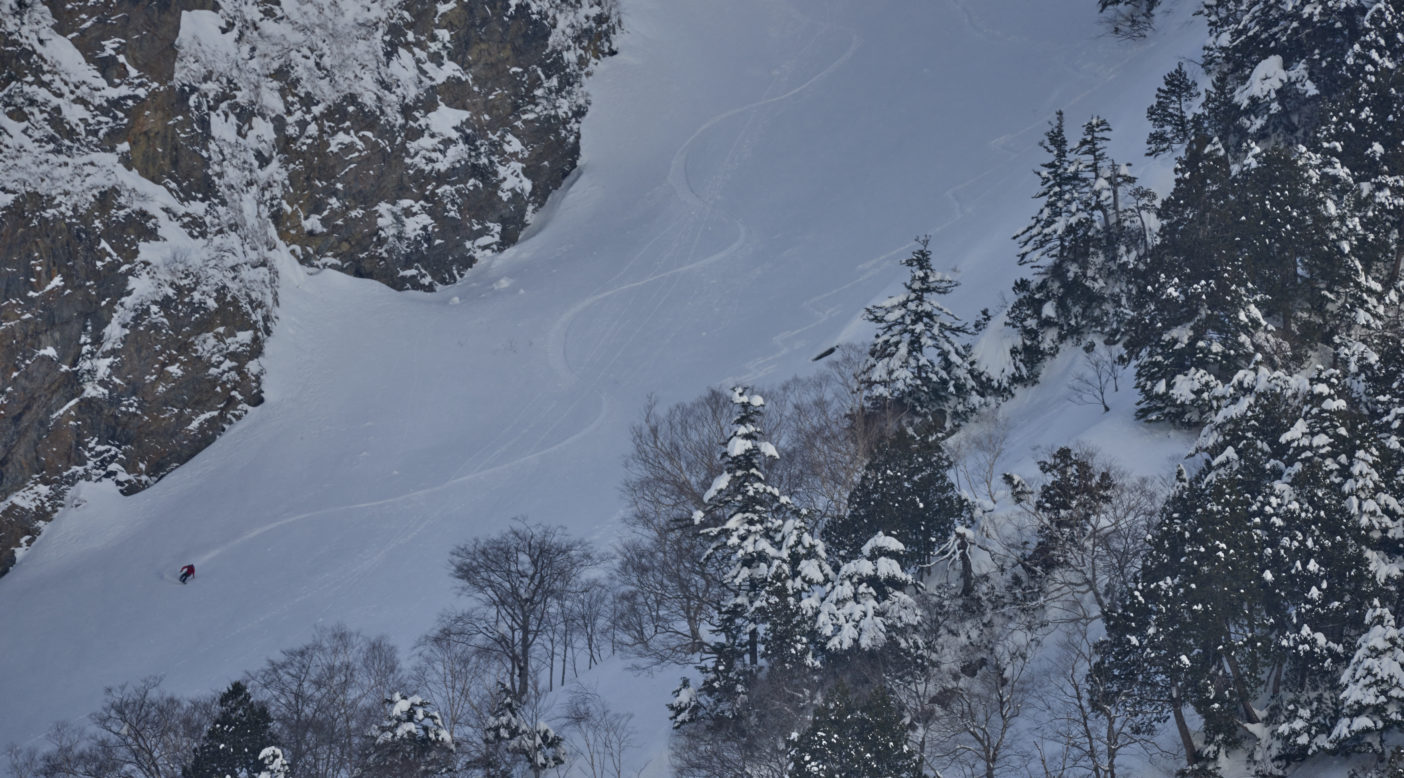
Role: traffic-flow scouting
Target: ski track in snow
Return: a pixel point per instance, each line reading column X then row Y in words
column 704, row 206
column 676, row 260
column 333, row 511
column 694, row 223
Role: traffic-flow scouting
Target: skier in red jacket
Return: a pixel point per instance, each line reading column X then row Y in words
column 186, row 572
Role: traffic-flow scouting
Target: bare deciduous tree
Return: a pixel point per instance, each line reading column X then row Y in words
column 1101, row 373
column 1085, row 733
column 325, row 696
column 139, row 732
column 519, row 582
column 975, row 715
column 144, row 731
column 68, row 753
column 668, row 588
column 456, row 678
column 601, row 737
column 581, row 620
column 977, row 450
column 590, row 613
column 666, row 595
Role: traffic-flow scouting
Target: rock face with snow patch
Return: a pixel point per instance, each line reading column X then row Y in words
column 162, row 159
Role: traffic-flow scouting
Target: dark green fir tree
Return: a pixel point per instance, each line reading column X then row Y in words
column 848, row 739
column 1174, row 117
column 907, row 493
column 233, row 745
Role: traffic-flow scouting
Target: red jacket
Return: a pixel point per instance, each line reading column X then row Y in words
column 188, row 570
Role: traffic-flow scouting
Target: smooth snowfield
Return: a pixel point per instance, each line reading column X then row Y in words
column 752, row 172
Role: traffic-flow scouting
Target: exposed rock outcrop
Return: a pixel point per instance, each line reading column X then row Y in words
column 162, row 159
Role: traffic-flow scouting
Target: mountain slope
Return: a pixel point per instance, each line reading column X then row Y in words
column 161, row 156
column 750, row 173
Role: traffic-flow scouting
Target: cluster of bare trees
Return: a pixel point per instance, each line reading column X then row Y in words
column 534, row 602
column 139, row 731
column 324, row 696
column 538, row 611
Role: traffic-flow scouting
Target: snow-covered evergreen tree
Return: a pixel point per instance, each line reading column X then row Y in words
column 1297, row 250
column 411, row 740
column 1257, row 582
column 772, row 561
column 1275, row 62
column 1197, row 309
column 847, row 739
column 1376, row 487
column 1057, row 244
column 273, row 764
column 918, row 364
column 1372, row 687
column 868, row 605
column 234, row 744
column 1204, row 628
column 1118, row 238
column 1362, row 138
column 1156, row 655
column 799, row 576
column 1207, row 616
column 538, row 746
column 1317, row 561
column 1053, row 236
column 1083, row 245
column 773, row 568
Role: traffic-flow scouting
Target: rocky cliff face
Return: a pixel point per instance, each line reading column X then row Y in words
column 163, row 159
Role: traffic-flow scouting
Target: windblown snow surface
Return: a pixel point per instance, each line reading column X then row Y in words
column 752, row 172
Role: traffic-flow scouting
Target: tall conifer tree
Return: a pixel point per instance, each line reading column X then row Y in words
column 233, row 745
column 905, row 492
column 1174, row 116
column 1197, row 309
column 774, row 569
column 848, row 739
column 918, row 364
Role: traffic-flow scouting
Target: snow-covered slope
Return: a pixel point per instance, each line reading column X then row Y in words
column 751, row 172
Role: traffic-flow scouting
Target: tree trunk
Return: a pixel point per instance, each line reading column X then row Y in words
column 524, row 663
column 1182, row 727
column 1398, row 260
column 1240, row 688
column 967, row 568
column 1112, row 748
